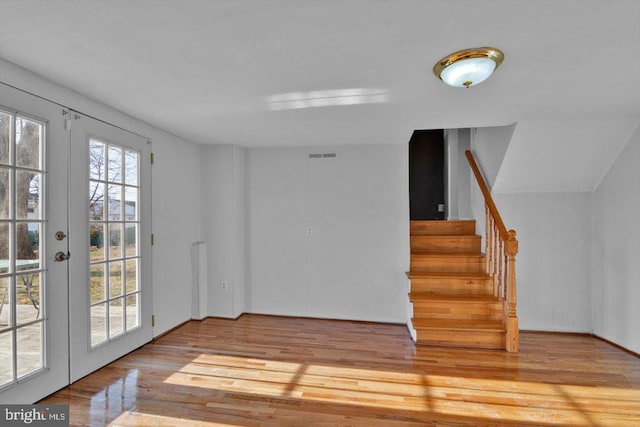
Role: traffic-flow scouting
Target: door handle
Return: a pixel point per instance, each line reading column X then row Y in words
column 61, row 256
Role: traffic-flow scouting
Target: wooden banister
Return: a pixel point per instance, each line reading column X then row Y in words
column 501, row 247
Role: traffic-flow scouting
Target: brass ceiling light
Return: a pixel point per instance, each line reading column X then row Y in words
column 468, row 67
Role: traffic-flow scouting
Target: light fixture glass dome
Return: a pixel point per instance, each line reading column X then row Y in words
column 468, row 67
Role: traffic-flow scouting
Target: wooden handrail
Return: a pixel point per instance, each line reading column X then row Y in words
column 487, row 195
column 501, row 247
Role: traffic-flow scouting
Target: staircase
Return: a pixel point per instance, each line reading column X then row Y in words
column 451, row 292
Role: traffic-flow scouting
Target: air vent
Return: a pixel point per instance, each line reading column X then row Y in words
column 322, row 155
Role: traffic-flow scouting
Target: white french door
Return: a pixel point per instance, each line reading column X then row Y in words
column 109, row 280
column 33, row 286
column 75, row 252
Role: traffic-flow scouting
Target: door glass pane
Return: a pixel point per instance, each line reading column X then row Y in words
column 115, row 279
column 28, row 195
column 116, row 313
column 133, row 312
column 96, row 160
column 131, row 278
column 28, row 297
column 98, row 290
column 131, row 167
column 6, row 357
column 115, row 240
column 29, row 341
column 5, row 138
column 28, row 137
column 21, row 237
column 115, row 203
column 96, row 241
column 96, row 201
column 115, row 164
column 131, row 239
column 5, row 304
column 130, row 203
column 5, row 240
column 98, row 324
column 5, row 198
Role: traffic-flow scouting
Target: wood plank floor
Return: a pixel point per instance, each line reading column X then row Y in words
column 276, row 371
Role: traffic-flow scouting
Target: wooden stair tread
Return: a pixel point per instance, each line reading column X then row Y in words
column 447, row 254
column 417, row 274
column 459, row 324
column 437, row 296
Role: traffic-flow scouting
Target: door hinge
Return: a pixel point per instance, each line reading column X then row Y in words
column 153, row 239
column 152, row 158
column 153, row 320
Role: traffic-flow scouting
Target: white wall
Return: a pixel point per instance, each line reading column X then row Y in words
column 616, row 246
column 353, row 265
column 223, row 224
column 553, row 263
column 489, row 146
column 174, row 195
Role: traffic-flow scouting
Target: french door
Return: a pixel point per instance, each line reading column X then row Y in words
column 34, row 338
column 110, row 205
column 74, row 245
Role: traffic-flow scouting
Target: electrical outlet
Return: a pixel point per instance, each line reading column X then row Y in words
column 224, row 285
column 309, row 231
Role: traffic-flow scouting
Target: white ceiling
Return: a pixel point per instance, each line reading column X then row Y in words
column 203, row 70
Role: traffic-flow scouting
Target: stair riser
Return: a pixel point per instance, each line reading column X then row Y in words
column 457, row 310
column 449, row 245
column 443, row 228
column 453, row 286
column 456, row 338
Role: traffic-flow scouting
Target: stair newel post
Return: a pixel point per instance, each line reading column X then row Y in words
column 511, row 249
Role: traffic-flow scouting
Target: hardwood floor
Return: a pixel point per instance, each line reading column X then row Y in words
column 277, row 371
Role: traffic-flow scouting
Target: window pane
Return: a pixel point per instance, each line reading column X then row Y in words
column 133, row 314
column 5, row 139
column 115, row 241
column 115, row 203
column 28, row 297
column 96, row 241
column 5, row 305
column 28, row 136
column 130, row 167
column 5, row 196
column 130, row 204
column 28, row 246
column 115, row 279
column 131, row 239
column 96, row 160
column 29, row 346
column 98, row 290
column 28, row 195
column 98, row 324
column 4, row 248
column 115, row 164
column 6, row 357
column 131, row 277
column 116, row 323
column 96, row 201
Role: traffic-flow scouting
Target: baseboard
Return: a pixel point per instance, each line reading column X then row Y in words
column 585, row 334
